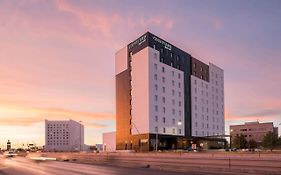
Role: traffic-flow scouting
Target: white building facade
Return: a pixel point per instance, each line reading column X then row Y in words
column 208, row 104
column 64, row 136
column 109, row 141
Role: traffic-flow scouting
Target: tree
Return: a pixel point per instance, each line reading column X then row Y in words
column 252, row 144
column 270, row 140
column 239, row 141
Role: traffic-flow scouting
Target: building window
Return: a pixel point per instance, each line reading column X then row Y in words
column 195, row 82
column 156, row 129
column 156, row 87
column 163, row 89
column 173, row 82
column 163, row 99
column 164, row 130
column 155, row 76
column 164, row 109
column 174, row 130
column 163, row 69
column 173, row 111
column 179, row 85
column 161, row 50
column 164, row 120
column 155, row 66
column 155, row 97
column 163, row 79
column 172, row 64
column 173, row 73
column 179, row 103
column 174, row 121
column 194, row 65
column 179, row 75
column 156, row 118
column 179, row 131
column 156, row 108
column 171, row 54
column 173, row 92
column 179, row 112
column 178, row 58
column 179, row 94
column 173, row 101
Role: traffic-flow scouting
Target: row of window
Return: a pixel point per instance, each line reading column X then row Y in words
column 203, row 125
column 58, row 137
column 206, row 86
column 57, row 143
column 57, row 125
column 207, row 102
column 163, row 70
column 207, row 118
column 207, row 133
column 164, row 120
column 164, row 130
column 207, row 110
column 207, row 94
column 164, row 80
column 201, row 68
column 164, row 98
column 164, row 110
column 164, row 90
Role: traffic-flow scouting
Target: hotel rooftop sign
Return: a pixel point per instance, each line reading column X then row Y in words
column 139, row 41
column 164, row 43
column 151, row 37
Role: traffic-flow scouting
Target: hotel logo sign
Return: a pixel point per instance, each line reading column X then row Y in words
column 139, row 41
column 166, row 45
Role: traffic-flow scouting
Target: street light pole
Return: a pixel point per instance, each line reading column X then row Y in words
column 230, row 138
column 156, row 142
column 80, row 134
column 179, row 124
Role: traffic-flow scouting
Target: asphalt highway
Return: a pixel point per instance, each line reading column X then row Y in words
column 25, row 166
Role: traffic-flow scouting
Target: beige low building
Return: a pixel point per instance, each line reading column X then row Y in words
column 253, row 130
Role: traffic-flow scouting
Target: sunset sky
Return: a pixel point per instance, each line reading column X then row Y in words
column 57, row 57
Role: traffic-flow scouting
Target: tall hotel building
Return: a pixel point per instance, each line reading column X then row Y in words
column 165, row 97
column 65, row 135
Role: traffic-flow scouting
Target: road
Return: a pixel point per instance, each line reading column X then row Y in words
column 25, row 166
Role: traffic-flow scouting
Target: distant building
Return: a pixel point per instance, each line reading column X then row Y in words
column 64, row 136
column 253, row 130
column 9, row 145
column 99, row 147
column 109, row 141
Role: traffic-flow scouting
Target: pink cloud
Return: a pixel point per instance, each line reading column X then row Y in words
column 95, row 20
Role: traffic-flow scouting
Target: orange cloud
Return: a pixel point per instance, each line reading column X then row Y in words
column 26, row 115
